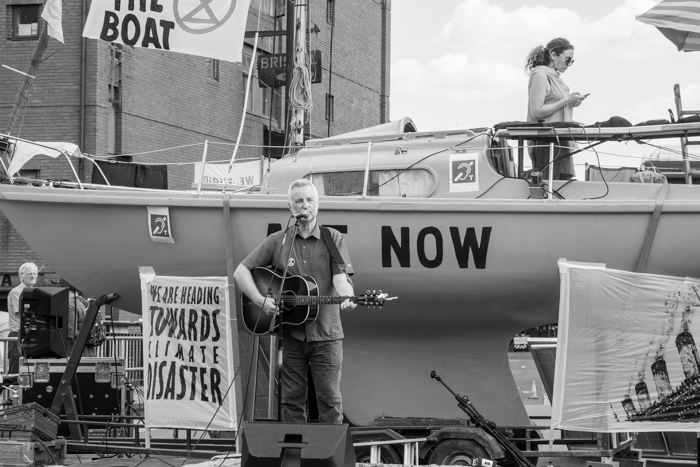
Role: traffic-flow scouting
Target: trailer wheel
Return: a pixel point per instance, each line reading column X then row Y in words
column 457, row 452
column 388, row 455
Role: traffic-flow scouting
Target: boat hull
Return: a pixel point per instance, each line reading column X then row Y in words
column 469, row 274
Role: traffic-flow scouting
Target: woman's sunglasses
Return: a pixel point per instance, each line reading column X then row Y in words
column 568, row 60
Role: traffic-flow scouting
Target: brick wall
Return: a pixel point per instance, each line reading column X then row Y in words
column 169, row 103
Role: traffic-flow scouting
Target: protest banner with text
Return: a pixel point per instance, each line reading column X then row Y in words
column 188, row 362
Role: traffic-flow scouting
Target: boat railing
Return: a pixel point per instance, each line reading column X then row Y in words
column 387, row 137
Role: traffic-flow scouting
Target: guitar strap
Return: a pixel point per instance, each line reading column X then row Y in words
column 328, row 239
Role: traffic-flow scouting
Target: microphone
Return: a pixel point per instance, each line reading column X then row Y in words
column 300, row 215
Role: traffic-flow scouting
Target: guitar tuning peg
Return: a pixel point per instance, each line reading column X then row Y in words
column 367, row 292
column 379, row 292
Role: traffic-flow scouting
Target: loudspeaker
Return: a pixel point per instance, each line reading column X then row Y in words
column 279, row 444
column 43, row 327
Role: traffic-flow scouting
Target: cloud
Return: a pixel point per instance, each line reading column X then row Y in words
column 471, row 72
column 484, row 29
column 453, row 89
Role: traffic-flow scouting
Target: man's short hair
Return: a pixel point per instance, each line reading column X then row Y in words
column 302, row 182
column 25, row 267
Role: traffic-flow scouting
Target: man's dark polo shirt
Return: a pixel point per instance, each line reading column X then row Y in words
column 310, row 257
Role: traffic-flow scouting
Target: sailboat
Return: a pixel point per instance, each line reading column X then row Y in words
column 443, row 220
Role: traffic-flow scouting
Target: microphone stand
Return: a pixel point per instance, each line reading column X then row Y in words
column 278, row 301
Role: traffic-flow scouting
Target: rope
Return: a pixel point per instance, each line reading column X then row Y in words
column 300, row 90
column 160, row 150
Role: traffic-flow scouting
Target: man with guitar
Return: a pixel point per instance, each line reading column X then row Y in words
column 316, row 344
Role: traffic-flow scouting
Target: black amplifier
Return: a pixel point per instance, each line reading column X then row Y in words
column 98, row 385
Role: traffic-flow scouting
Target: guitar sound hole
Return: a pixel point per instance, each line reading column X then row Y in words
column 288, row 301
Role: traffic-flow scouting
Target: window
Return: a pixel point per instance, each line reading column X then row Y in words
column 25, row 21
column 330, row 11
column 411, row 183
column 213, row 68
column 330, row 104
column 258, row 97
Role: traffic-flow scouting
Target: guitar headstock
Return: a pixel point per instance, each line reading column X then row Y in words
column 374, row 298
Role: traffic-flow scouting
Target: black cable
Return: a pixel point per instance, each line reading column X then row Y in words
column 48, row 451
column 493, row 185
column 607, row 187
column 250, row 369
column 561, row 156
column 221, row 402
column 147, row 457
column 251, row 338
column 499, row 181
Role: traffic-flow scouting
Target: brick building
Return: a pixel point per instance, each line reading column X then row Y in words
column 160, row 107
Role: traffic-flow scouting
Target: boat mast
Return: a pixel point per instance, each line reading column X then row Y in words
column 296, row 55
column 23, row 96
column 289, row 63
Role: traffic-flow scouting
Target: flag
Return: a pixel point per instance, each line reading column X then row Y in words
column 211, row 28
column 52, row 14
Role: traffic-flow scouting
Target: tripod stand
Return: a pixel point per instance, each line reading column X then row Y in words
column 489, row 427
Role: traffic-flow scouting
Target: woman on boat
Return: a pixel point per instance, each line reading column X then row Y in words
column 549, row 100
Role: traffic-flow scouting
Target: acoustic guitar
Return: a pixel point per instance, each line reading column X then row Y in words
column 300, row 301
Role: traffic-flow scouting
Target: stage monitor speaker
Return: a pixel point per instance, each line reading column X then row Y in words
column 278, row 444
column 43, row 326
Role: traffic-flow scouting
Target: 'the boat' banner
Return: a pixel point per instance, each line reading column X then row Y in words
column 208, row 28
column 188, row 362
column 626, row 353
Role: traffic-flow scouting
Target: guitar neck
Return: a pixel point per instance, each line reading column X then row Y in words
column 316, row 299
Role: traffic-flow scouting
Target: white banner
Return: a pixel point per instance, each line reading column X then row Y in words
column 188, row 356
column 213, row 29
column 626, row 355
column 243, row 173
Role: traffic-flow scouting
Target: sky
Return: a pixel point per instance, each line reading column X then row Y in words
column 460, row 64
